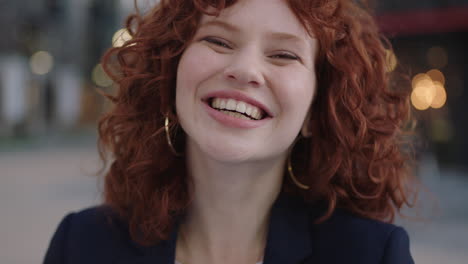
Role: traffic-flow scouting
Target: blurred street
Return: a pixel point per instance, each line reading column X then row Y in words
column 50, row 101
column 39, row 184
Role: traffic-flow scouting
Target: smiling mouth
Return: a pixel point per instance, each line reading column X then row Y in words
column 235, row 108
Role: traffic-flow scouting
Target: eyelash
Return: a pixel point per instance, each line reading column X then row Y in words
column 282, row 55
column 217, row 42
column 286, row 56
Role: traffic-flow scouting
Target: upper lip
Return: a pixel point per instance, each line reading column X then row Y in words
column 239, row 97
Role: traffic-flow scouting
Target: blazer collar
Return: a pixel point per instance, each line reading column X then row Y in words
column 289, row 235
column 288, row 239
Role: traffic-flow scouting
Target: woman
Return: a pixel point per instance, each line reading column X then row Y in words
column 288, row 149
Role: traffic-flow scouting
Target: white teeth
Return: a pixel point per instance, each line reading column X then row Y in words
column 234, row 114
column 255, row 112
column 231, row 104
column 216, row 103
column 239, row 106
column 222, row 104
column 249, row 110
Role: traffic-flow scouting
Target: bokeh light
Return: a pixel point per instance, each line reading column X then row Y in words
column 41, row 62
column 418, row 103
column 419, row 77
column 391, row 60
column 428, row 90
column 423, row 94
column 440, row 96
column 121, row 37
column 436, row 76
column 100, row 78
column 437, row 57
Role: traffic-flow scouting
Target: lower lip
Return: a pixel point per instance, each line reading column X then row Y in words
column 232, row 121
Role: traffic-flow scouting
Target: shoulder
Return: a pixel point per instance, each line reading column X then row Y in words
column 95, row 232
column 366, row 240
column 99, row 222
column 345, row 223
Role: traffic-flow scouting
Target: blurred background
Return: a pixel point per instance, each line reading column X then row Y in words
column 50, row 72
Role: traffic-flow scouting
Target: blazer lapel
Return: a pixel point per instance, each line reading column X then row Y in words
column 161, row 253
column 289, row 239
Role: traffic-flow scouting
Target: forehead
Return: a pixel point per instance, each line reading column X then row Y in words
column 260, row 16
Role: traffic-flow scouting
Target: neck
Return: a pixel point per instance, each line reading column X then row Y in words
column 228, row 218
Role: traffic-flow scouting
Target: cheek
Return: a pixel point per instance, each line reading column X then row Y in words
column 295, row 91
column 196, row 65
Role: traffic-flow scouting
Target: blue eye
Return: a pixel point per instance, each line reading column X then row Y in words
column 217, row 42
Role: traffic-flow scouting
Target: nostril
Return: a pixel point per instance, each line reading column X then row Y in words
column 232, row 77
column 254, row 83
column 245, row 74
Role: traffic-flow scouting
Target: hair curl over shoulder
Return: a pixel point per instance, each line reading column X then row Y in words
column 354, row 159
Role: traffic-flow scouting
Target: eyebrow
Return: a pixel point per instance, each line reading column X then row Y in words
column 222, row 24
column 233, row 28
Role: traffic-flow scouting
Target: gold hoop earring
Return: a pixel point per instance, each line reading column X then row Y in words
column 291, row 174
column 168, row 138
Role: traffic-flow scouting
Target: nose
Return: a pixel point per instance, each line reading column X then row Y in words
column 245, row 69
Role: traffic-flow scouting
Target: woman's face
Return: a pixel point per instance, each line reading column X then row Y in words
column 246, row 82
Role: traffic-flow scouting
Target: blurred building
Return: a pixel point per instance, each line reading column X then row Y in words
column 47, row 53
column 50, row 50
column 430, row 39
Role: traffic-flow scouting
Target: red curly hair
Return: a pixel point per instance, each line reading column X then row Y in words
column 355, row 158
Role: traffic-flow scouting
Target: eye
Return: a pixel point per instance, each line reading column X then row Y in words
column 285, row 56
column 217, row 42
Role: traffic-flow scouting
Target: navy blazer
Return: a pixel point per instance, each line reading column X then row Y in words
column 97, row 236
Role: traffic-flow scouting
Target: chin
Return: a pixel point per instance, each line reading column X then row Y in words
column 229, row 151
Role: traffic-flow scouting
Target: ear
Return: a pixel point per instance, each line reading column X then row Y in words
column 306, row 131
